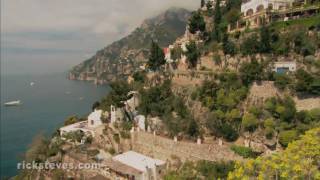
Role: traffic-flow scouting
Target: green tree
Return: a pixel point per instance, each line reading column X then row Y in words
column 303, row 81
column 250, row 72
column 192, row 54
column 265, row 42
column 203, row 3
column 249, row 122
column 217, row 21
column 196, row 23
column 250, row 45
column 281, row 81
column 285, row 137
column 228, row 46
column 156, row 58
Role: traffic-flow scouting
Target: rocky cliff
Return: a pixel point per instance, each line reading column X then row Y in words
column 122, row 57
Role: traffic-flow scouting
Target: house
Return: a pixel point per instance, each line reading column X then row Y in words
column 256, row 12
column 79, row 126
column 133, row 165
column 94, row 119
column 283, row 67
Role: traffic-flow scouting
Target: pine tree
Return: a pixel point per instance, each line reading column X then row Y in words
column 203, row 3
column 156, row 58
column 192, row 54
column 228, row 46
column 217, row 21
column 265, row 46
column 197, row 23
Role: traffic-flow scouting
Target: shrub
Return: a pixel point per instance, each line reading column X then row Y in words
column 111, row 150
column 71, row 120
column 282, row 81
column 125, row 134
column 285, row 137
column 245, row 152
column 249, row 122
column 116, row 138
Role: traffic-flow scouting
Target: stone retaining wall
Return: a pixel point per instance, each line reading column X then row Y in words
column 164, row 148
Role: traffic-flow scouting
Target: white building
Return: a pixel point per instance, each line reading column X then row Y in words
column 79, row 126
column 255, row 6
column 94, row 119
column 116, row 114
column 257, row 12
column 148, row 168
column 140, row 120
column 286, row 66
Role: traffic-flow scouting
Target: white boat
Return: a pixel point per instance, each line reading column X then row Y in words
column 32, row 84
column 13, row 103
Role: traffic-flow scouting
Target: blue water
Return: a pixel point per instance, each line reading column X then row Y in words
column 45, row 106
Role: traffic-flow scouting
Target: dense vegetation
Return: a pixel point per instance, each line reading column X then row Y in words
column 201, row 170
column 160, row 101
column 299, row 161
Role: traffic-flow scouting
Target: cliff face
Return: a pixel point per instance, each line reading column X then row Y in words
column 122, row 57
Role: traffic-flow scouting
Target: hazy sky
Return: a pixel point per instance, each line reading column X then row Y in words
column 42, row 36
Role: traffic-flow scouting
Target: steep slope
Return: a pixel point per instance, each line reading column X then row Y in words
column 124, row 56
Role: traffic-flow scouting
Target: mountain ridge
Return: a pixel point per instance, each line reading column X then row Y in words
column 122, row 57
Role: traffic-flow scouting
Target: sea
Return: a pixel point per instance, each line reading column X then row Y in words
column 45, row 105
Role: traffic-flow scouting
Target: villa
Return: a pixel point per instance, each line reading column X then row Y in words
column 258, row 12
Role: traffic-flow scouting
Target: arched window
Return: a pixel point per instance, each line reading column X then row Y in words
column 260, row 8
column 249, row 12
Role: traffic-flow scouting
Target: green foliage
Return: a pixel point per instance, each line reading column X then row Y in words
column 139, row 76
column 250, row 45
column 125, row 134
column 176, row 53
column 112, row 151
column 285, row 137
column 245, row 152
column 217, row 59
column 250, row 72
column 299, row 161
column 192, row 54
column 306, row 83
column 228, row 46
column 156, row 58
column 117, row 95
column 71, row 120
column 249, row 122
column 218, row 127
column 284, row 109
column 203, row 3
column 95, row 105
column 74, row 136
column 201, row 170
column 160, row 101
column 116, row 138
column 196, row 23
column 282, row 81
column 265, row 41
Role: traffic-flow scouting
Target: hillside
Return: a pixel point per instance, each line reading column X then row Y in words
column 124, row 56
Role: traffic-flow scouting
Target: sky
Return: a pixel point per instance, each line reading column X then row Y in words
column 44, row 36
